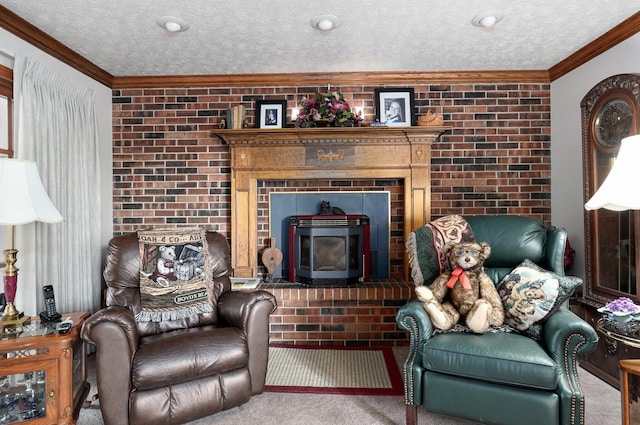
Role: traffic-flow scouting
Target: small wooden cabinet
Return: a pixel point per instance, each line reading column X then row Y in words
column 43, row 374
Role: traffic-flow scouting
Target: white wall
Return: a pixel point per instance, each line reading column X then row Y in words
column 567, row 203
column 13, row 44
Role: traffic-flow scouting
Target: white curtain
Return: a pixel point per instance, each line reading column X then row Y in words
column 57, row 129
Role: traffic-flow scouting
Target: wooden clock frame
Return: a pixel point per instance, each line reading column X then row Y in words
column 610, row 236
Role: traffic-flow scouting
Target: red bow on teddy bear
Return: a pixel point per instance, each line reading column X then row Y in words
column 459, row 275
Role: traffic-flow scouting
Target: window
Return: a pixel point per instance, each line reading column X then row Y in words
column 6, row 106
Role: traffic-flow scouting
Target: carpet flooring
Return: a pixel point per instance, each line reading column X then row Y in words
column 602, row 407
column 342, row 370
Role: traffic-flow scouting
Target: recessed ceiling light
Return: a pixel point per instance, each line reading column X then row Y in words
column 487, row 20
column 325, row 22
column 172, row 24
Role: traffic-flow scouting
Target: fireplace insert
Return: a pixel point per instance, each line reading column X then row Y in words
column 329, row 249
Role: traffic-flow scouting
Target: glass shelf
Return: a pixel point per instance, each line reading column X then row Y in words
column 22, row 396
column 27, row 331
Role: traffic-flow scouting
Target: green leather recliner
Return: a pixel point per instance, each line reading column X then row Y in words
column 500, row 378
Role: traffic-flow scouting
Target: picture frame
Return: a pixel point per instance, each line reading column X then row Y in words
column 271, row 113
column 395, row 107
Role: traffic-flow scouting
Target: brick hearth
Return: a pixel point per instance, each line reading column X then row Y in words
column 362, row 314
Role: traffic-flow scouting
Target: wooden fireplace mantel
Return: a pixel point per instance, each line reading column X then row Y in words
column 324, row 153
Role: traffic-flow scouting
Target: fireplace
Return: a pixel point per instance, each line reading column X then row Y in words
column 284, row 204
column 316, row 153
column 329, row 249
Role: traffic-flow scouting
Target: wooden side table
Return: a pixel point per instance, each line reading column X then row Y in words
column 43, row 374
column 627, row 366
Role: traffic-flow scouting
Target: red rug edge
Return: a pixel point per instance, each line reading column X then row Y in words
column 397, row 384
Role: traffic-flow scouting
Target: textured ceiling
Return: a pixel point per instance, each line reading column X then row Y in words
column 275, row 36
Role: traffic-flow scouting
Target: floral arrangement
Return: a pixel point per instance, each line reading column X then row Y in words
column 621, row 309
column 329, row 106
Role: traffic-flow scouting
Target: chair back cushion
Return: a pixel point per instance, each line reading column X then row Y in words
column 515, row 238
column 122, row 277
column 512, row 238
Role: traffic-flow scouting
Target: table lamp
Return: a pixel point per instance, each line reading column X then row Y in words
column 24, row 200
column 618, row 192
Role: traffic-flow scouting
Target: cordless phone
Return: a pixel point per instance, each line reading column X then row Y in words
column 50, row 314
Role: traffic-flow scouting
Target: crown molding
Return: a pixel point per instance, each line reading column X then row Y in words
column 614, row 36
column 29, row 33
column 338, row 78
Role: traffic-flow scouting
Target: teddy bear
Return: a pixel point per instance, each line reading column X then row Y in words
column 165, row 270
column 466, row 291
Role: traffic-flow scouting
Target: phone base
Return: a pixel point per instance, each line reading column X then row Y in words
column 44, row 318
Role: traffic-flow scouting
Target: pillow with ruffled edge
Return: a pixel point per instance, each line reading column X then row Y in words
column 530, row 294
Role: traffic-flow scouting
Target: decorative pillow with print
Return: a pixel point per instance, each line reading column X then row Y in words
column 530, row 294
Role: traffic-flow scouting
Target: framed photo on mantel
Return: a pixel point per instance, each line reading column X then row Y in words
column 271, row 113
column 395, row 107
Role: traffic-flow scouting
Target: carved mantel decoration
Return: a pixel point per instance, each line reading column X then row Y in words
column 324, row 153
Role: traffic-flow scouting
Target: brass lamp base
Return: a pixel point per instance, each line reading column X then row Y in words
column 11, row 316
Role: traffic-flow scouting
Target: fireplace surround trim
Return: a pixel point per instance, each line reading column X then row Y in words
column 324, row 153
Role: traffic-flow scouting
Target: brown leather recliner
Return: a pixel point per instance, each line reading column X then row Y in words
column 176, row 371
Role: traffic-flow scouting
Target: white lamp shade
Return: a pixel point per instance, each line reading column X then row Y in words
column 24, row 198
column 619, row 191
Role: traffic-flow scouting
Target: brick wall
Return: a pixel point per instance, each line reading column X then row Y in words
column 169, row 170
column 497, row 158
column 362, row 315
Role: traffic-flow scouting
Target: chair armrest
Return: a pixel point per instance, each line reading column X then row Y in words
column 126, row 329
column 236, row 307
column 113, row 331
column 249, row 311
column 566, row 335
column 412, row 317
